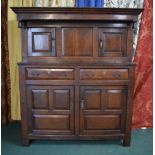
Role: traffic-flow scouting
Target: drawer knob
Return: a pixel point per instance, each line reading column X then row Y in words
column 90, row 76
column 49, row 72
column 35, row 74
column 116, row 75
column 63, row 74
column 82, row 104
column 103, row 73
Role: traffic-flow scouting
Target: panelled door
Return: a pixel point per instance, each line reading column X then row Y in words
column 102, row 109
column 112, row 42
column 41, row 42
column 51, row 109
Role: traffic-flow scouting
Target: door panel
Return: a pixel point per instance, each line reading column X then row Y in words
column 91, row 97
column 52, row 109
column 74, row 44
column 112, row 42
column 40, row 99
column 51, row 122
column 41, row 42
column 61, row 99
column 101, row 122
column 114, row 99
column 102, row 109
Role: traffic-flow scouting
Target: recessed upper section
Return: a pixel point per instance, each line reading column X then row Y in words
column 95, row 14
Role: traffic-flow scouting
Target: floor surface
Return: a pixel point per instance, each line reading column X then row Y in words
column 11, row 145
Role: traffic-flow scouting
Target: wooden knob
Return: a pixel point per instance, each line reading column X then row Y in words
column 116, row 75
column 49, row 72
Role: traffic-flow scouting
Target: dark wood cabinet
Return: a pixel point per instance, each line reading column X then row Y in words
column 76, row 74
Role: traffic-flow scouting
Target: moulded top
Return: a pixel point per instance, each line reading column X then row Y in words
column 72, row 13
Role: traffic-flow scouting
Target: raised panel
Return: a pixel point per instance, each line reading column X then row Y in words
column 75, row 44
column 51, row 122
column 84, row 42
column 68, row 42
column 114, row 99
column 113, row 42
column 92, row 99
column 61, row 99
column 102, row 122
column 41, row 42
column 40, row 99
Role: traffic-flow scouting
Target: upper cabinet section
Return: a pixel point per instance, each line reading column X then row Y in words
column 77, row 35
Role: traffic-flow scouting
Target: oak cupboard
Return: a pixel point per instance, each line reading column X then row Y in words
column 76, row 74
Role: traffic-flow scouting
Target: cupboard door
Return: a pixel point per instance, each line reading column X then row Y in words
column 41, row 42
column 75, row 41
column 102, row 109
column 51, row 109
column 112, row 42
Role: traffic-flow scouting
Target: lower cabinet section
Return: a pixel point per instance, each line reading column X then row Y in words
column 53, row 110
column 75, row 103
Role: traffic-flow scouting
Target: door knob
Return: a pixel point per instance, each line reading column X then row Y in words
column 101, row 44
column 82, row 104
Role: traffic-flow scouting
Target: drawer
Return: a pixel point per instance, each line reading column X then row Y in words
column 51, row 74
column 103, row 74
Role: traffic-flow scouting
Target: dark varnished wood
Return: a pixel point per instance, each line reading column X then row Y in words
column 76, row 74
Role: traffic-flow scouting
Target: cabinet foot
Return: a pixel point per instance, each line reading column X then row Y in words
column 26, row 142
column 126, row 142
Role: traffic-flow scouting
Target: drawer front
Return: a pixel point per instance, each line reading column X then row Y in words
column 51, row 74
column 103, row 74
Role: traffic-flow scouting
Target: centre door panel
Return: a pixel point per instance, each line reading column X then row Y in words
column 72, row 42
